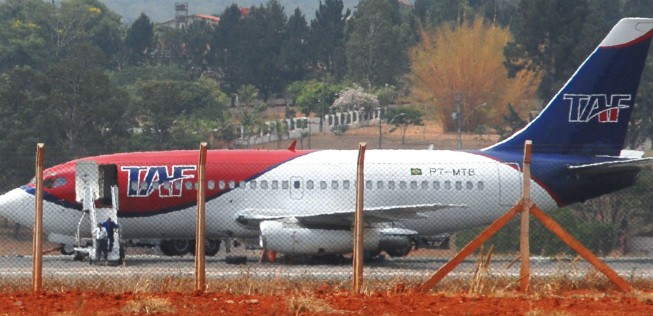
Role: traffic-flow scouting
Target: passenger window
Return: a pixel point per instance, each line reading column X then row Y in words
column 334, row 185
column 379, row 185
column 144, row 185
column 459, row 185
column 469, row 185
column 425, row 185
column 285, row 185
column 323, row 185
column 413, row 185
column 436, row 185
column 167, row 185
column 177, row 185
column 252, row 184
column 297, row 184
column 480, row 185
column 310, row 184
column 210, row 185
column 402, row 185
column 447, row 185
column 232, row 184
column 264, row 184
column 275, row 184
column 391, row 185
column 241, row 184
column 221, row 184
column 345, row 184
column 134, row 185
column 368, row 185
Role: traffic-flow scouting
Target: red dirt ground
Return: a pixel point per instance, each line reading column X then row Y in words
column 326, row 302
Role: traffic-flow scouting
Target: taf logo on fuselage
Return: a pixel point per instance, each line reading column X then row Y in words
column 168, row 180
column 585, row 107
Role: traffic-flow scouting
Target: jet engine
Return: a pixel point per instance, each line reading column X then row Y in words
column 294, row 239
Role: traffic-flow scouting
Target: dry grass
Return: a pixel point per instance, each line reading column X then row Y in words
column 148, row 305
column 306, row 304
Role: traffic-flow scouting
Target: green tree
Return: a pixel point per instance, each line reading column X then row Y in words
column 375, row 54
column 85, row 21
column 197, row 41
column 402, row 118
column 81, row 111
column 247, row 94
column 140, row 41
column 316, row 97
column 21, row 96
column 327, row 38
column 229, row 39
column 294, row 58
column 24, row 33
column 550, row 38
column 267, row 32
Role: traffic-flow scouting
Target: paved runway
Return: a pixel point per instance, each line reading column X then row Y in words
column 418, row 268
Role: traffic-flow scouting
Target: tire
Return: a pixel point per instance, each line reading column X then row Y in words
column 78, row 256
column 67, row 249
column 236, row 259
column 211, row 247
column 175, row 247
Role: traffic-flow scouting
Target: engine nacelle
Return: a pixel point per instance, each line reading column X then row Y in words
column 395, row 245
column 289, row 238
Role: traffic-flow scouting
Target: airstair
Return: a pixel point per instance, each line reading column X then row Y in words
column 96, row 188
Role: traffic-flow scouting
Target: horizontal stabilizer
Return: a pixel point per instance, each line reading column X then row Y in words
column 611, row 166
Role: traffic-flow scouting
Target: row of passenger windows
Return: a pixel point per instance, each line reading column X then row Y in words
column 346, row 185
column 334, row 185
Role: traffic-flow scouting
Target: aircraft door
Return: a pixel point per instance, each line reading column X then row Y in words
column 86, row 174
column 510, row 183
column 296, row 188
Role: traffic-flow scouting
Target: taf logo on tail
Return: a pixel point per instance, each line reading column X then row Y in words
column 585, row 107
column 145, row 180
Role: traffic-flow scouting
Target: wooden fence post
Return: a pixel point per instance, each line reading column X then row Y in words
column 358, row 220
column 200, row 260
column 524, row 244
column 37, row 239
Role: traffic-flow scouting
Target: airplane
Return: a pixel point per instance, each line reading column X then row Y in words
column 301, row 202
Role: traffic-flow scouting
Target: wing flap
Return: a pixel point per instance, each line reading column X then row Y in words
column 252, row 217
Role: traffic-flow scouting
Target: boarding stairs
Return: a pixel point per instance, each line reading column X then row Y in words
column 95, row 210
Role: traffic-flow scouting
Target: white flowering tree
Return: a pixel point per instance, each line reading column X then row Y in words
column 356, row 99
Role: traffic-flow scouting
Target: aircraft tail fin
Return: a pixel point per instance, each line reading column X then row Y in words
column 590, row 114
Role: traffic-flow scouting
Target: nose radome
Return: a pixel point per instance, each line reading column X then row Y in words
column 18, row 206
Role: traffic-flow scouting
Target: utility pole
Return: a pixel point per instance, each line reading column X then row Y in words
column 459, row 100
column 380, row 132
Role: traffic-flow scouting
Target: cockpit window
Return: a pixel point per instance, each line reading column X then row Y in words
column 59, row 182
column 47, row 183
column 51, row 182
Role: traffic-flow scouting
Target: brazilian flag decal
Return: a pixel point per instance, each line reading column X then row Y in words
column 415, row 171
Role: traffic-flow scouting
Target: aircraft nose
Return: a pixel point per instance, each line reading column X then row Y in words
column 18, row 206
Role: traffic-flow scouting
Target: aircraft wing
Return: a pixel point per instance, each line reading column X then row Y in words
column 611, row 166
column 344, row 217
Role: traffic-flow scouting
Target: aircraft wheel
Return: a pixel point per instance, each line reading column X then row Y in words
column 67, row 249
column 78, row 256
column 121, row 254
column 211, row 247
column 175, row 247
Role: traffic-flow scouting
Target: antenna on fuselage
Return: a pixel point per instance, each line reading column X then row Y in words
column 292, row 145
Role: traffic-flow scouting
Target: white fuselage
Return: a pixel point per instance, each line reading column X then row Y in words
column 324, row 181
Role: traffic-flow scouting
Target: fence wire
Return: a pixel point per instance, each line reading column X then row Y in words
column 418, row 213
